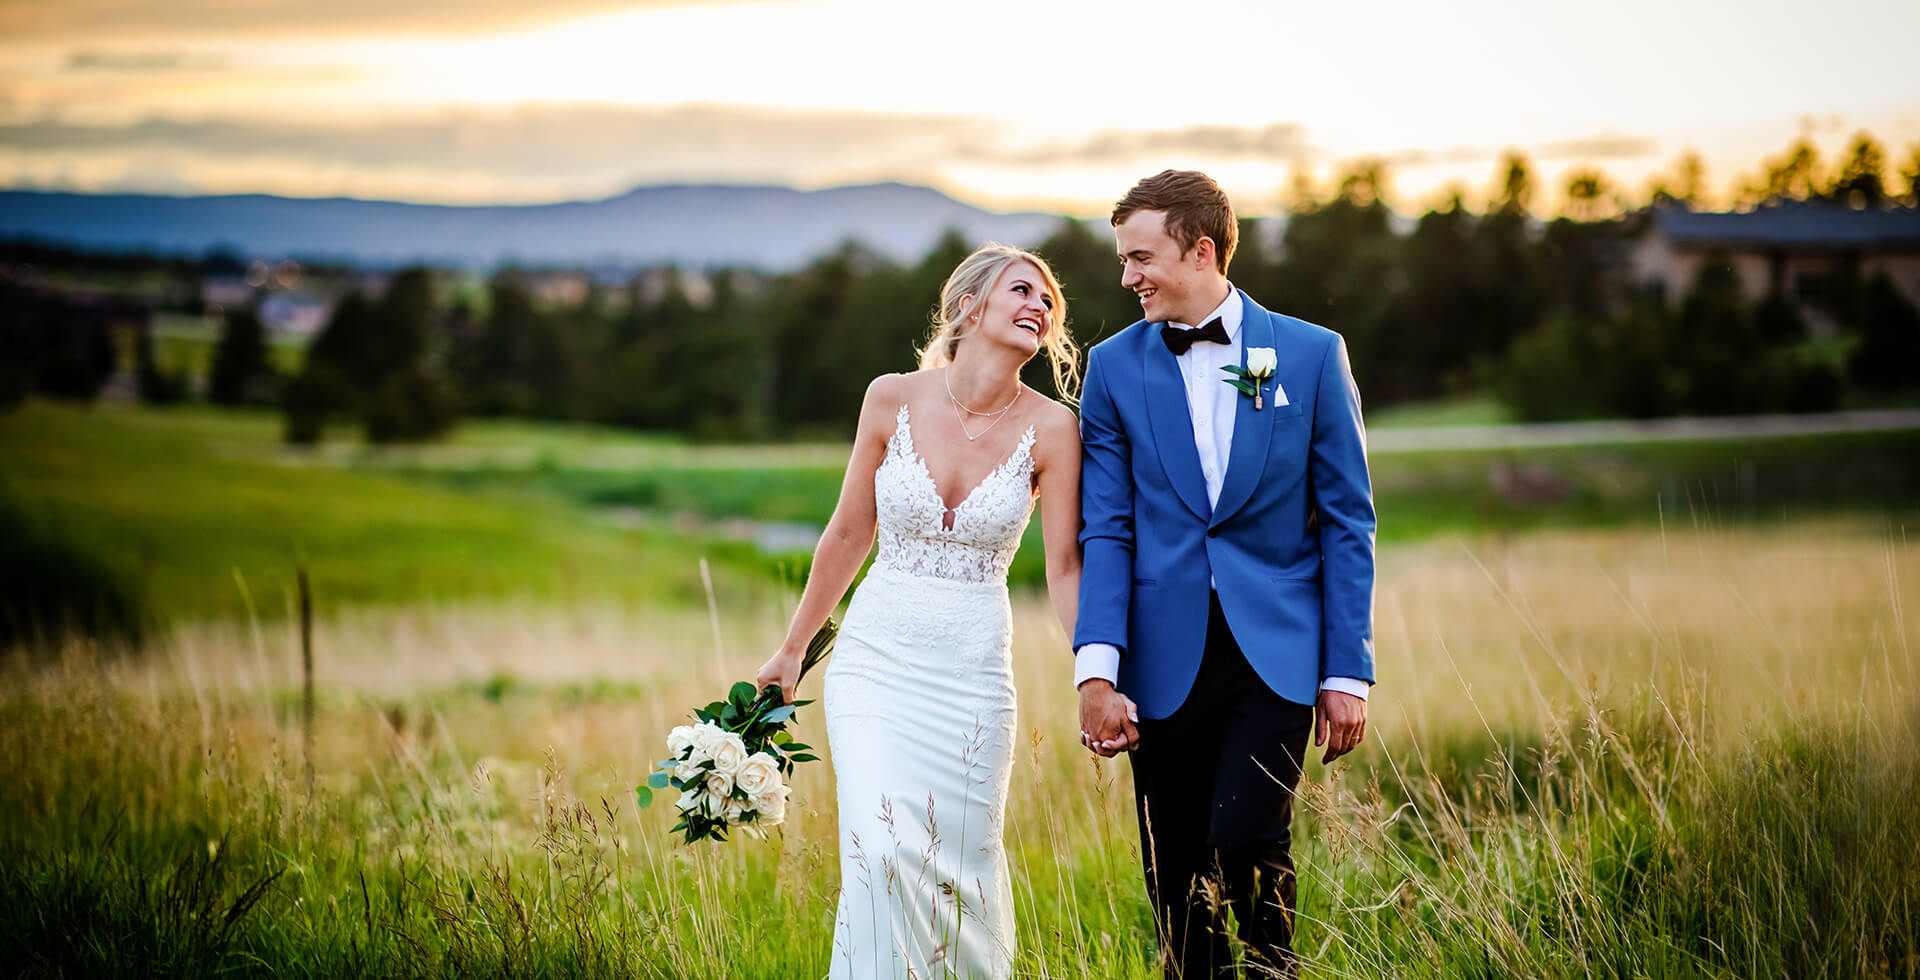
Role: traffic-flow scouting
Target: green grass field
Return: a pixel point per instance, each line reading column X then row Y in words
column 183, row 345
column 1667, row 726
column 202, row 508
column 182, row 500
column 1614, row 754
column 1418, row 495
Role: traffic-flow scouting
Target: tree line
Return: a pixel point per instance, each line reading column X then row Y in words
column 1462, row 299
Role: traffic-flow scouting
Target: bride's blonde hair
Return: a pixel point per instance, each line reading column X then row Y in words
column 968, row 286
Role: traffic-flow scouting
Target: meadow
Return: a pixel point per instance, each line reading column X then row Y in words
column 181, row 502
column 1673, row 734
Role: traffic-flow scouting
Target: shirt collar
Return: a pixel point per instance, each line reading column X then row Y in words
column 1229, row 311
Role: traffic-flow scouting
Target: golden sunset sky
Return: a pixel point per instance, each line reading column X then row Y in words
column 1009, row 105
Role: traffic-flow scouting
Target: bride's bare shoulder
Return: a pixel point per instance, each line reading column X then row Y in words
column 889, row 391
column 881, row 407
column 1056, row 432
column 1055, row 418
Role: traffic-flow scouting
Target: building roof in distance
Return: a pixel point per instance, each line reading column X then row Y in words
column 1794, row 224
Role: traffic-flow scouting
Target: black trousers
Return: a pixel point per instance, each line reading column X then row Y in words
column 1214, row 785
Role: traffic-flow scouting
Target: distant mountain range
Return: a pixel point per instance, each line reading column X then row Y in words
column 772, row 228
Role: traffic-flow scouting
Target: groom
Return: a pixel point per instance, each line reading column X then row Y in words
column 1227, row 589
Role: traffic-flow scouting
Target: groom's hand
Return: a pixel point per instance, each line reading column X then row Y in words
column 1339, row 723
column 1107, row 719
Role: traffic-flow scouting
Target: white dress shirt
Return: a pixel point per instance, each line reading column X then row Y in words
column 1212, row 403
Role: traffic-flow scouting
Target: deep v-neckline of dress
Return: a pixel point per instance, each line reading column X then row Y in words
column 950, row 516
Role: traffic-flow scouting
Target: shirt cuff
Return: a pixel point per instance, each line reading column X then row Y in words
column 1346, row 685
column 1101, row 660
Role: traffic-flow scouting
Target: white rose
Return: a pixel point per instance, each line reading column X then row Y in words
column 723, row 807
column 757, row 773
column 728, row 755
column 1261, row 360
column 680, row 740
column 772, row 804
column 707, row 737
column 686, row 770
column 719, row 785
column 692, row 799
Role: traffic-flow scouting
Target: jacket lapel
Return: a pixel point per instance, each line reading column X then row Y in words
column 1173, row 423
column 1252, row 430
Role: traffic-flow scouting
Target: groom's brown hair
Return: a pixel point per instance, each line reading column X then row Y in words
column 1195, row 206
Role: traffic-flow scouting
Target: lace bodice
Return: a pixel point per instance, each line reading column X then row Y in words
column 987, row 524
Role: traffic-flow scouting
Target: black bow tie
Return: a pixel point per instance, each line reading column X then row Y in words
column 1179, row 339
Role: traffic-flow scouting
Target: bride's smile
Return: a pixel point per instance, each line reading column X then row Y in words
column 1019, row 311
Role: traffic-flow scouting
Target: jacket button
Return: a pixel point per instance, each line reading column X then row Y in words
column 1213, row 532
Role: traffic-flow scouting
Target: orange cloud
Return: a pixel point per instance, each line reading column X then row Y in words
column 97, row 20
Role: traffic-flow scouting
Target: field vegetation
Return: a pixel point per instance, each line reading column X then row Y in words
column 1666, row 725
column 1614, row 753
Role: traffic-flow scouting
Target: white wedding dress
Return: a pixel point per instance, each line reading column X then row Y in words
column 920, row 723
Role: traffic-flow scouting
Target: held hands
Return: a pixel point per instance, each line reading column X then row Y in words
column 1108, row 719
column 783, row 668
column 1339, row 723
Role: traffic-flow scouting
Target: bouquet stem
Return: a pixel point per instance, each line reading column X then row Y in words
column 817, row 650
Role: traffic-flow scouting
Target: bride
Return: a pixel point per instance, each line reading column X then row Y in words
column 919, row 693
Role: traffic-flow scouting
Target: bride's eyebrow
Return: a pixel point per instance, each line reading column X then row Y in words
column 1022, row 282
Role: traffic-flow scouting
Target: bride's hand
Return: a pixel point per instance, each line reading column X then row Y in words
column 1109, row 720
column 782, row 668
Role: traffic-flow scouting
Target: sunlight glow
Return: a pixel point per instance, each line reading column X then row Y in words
column 1014, row 103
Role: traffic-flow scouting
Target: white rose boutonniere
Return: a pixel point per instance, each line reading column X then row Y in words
column 1252, row 379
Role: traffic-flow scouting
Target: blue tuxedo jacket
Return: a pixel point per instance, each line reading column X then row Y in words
column 1289, row 545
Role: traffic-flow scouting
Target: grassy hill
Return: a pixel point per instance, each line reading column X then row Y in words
column 188, row 504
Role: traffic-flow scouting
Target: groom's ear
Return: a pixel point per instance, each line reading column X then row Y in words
column 1203, row 251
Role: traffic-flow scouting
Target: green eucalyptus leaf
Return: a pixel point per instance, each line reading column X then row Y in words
column 643, row 796
column 659, row 780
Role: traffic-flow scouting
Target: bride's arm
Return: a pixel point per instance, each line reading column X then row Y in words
column 848, row 536
column 1059, row 477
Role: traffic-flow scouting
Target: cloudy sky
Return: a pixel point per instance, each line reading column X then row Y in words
column 1007, row 103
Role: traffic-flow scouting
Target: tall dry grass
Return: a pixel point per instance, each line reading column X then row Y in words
column 1609, row 754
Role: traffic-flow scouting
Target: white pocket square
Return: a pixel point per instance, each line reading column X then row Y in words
column 1279, row 395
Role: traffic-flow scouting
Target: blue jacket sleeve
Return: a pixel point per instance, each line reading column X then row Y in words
column 1343, row 498
column 1106, row 512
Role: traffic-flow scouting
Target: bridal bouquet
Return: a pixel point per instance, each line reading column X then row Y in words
column 731, row 767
